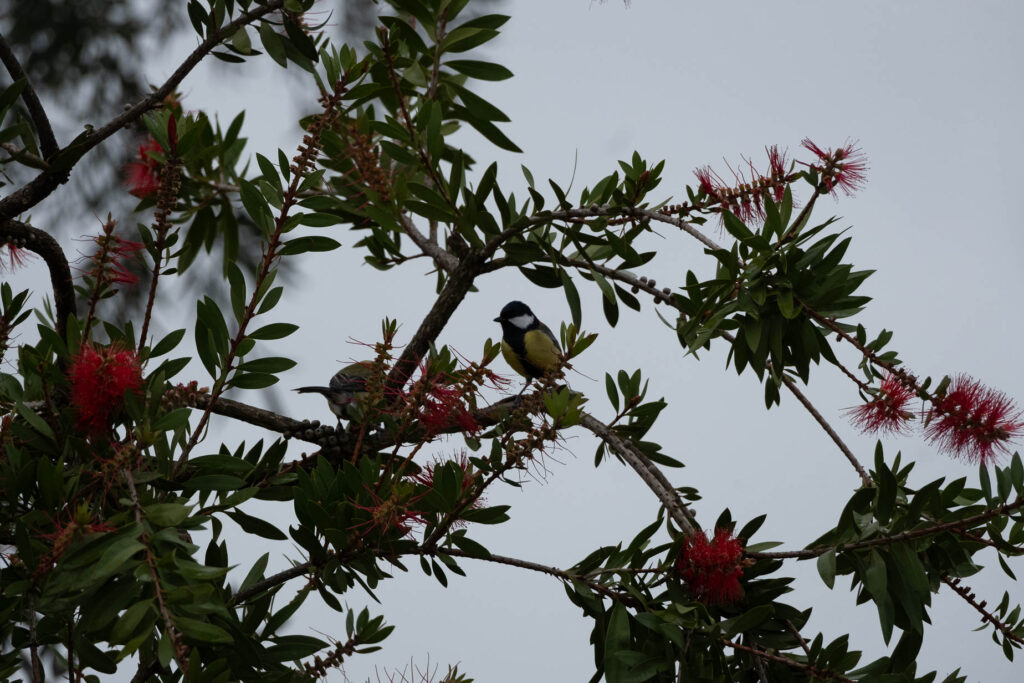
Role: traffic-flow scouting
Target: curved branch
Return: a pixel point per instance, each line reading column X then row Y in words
column 305, row 567
column 47, row 141
column 648, row 471
column 42, row 185
column 39, row 242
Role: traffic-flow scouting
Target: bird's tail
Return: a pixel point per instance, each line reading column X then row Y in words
column 323, row 391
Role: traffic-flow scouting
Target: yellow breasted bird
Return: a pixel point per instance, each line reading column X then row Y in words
column 347, row 386
column 527, row 344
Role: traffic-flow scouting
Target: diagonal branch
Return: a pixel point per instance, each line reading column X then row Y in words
column 460, row 281
column 791, row 385
column 47, row 141
column 648, row 471
column 967, row 594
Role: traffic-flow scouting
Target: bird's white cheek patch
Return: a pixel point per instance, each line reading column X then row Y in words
column 522, row 321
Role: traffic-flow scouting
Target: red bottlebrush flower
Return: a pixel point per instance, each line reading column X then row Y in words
column 777, row 171
column 63, row 534
column 100, row 377
column 143, row 176
column 842, row 168
column 16, row 256
column 426, row 477
column 390, row 513
column 111, row 253
column 745, row 197
column 443, row 406
column 712, row 569
column 710, row 182
column 172, row 131
column 972, row 421
column 887, row 412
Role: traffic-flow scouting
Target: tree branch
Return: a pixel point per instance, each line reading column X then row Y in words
column 442, row 258
column 42, row 185
column 47, row 142
column 648, row 471
column 897, row 538
column 460, row 281
column 967, row 594
column 791, row 385
column 39, row 242
column 813, row 671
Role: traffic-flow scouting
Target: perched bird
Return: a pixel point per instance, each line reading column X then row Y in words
column 527, row 344
column 347, row 386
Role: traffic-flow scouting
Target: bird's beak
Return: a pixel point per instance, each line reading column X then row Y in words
column 498, row 319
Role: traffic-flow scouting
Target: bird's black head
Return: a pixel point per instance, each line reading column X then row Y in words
column 513, row 309
column 516, row 316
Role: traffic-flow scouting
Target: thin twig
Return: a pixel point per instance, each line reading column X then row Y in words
column 180, row 649
column 813, row 671
column 791, row 385
column 442, row 258
column 896, row 538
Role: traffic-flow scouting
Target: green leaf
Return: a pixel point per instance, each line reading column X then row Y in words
column 124, row 628
column 37, row 423
column 256, row 206
column 114, row 558
column 487, row 129
column 746, row 621
column 318, row 220
column 273, row 331
column 257, row 526
column 167, row 344
column 617, row 639
column 270, row 364
column 252, row 380
column 485, row 71
column 471, row 547
column 295, row 647
column 489, row 515
column 255, row 572
column 463, row 39
column 572, row 297
column 301, row 245
column 166, row 514
column 213, row 482
column 827, row 567
column 11, row 94
column 202, row 631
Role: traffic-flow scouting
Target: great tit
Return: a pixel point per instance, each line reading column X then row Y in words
column 527, row 344
column 347, row 386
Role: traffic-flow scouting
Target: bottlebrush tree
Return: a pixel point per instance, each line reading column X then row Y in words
column 106, row 471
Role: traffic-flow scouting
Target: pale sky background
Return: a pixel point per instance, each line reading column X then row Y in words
column 932, row 92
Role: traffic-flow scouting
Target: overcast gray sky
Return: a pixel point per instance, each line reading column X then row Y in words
column 932, row 92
